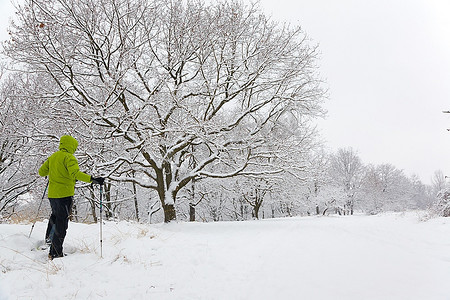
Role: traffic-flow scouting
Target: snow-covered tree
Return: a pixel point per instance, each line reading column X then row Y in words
column 14, row 179
column 317, row 180
column 155, row 84
column 347, row 171
column 422, row 195
column 385, row 188
column 438, row 181
column 17, row 154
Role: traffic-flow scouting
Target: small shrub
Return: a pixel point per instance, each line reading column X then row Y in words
column 442, row 205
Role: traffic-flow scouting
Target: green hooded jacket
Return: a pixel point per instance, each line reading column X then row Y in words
column 62, row 169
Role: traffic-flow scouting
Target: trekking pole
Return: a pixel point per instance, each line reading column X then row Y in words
column 39, row 208
column 101, row 235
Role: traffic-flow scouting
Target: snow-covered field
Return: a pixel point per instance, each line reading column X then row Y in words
column 390, row 256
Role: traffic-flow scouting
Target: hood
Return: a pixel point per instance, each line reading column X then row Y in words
column 68, row 143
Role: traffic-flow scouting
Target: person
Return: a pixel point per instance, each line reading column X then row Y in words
column 63, row 171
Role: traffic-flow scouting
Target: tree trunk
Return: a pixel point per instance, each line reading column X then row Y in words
column 151, row 211
column 192, row 200
column 108, row 205
column 191, row 212
column 256, row 210
column 169, row 213
column 136, row 206
column 92, row 202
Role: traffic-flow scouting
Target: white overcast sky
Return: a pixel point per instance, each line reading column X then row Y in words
column 387, row 66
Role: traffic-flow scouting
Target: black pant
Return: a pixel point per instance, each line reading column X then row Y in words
column 60, row 220
column 50, row 229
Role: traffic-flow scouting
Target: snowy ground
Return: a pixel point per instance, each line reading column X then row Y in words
column 391, row 256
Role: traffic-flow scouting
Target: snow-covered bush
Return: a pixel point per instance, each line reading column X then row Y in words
column 442, row 205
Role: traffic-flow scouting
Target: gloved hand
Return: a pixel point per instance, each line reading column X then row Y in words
column 98, row 180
